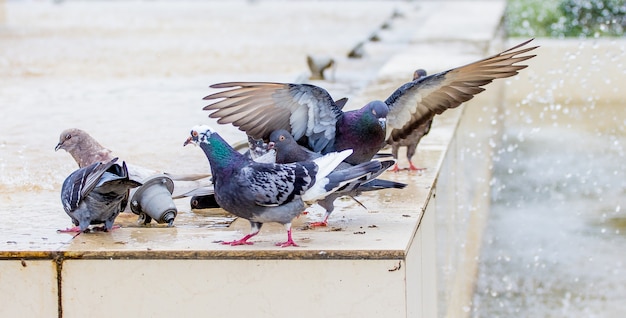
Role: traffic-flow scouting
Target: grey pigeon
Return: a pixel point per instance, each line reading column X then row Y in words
column 288, row 151
column 411, row 141
column 86, row 150
column 268, row 192
column 96, row 194
column 309, row 113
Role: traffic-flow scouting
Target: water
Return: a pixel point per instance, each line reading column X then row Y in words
column 554, row 243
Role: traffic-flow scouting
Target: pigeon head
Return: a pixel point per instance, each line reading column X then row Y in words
column 419, row 73
column 377, row 109
column 280, row 137
column 84, row 149
column 70, row 139
column 199, row 134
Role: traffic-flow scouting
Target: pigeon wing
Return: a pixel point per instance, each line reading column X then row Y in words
column 277, row 184
column 259, row 108
column 82, row 181
column 416, row 102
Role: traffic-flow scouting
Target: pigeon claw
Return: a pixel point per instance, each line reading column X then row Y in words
column 321, row 223
column 237, row 242
column 395, row 168
column 75, row 229
column 288, row 243
column 414, row 168
column 242, row 241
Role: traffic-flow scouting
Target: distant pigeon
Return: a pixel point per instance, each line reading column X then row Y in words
column 358, row 51
column 266, row 192
column 288, row 151
column 374, row 37
column 96, row 194
column 318, row 64
column 309, row 113
column 86, row 150
column 411, row 141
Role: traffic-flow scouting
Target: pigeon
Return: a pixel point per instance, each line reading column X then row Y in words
column 96, row 194
column 270, row 192
column 357, row 51
column 411, row 141
column 309, row 113
column 288, row 151
column 86, row 150
column 317, row 66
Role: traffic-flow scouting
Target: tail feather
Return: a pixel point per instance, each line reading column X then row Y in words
column 378, row 184
column 338, row 178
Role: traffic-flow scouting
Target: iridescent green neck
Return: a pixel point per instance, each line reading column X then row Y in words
column 220, row 154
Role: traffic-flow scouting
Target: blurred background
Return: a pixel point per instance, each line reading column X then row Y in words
column 553, row 246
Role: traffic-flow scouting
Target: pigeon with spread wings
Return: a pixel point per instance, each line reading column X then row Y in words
column 310, row 114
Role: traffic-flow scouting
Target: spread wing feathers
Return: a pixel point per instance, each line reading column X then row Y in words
column 259, row 108
column 82, row 181
column 416, row 102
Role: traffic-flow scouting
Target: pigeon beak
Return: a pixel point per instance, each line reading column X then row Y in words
column 270, row 145
column 189, row 141
column 383, row 123
column 59, row 145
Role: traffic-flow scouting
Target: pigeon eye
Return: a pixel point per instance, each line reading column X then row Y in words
column 194, row 133
column 281, row 138
column 374, row 112
column 68, row 137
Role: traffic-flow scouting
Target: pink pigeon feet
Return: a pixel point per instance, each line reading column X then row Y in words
column 414, row 168
column 395, row 168
column 289, row 242
column 242, row 241
column 321, row 223
column 75, row 229
column 411, row 168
